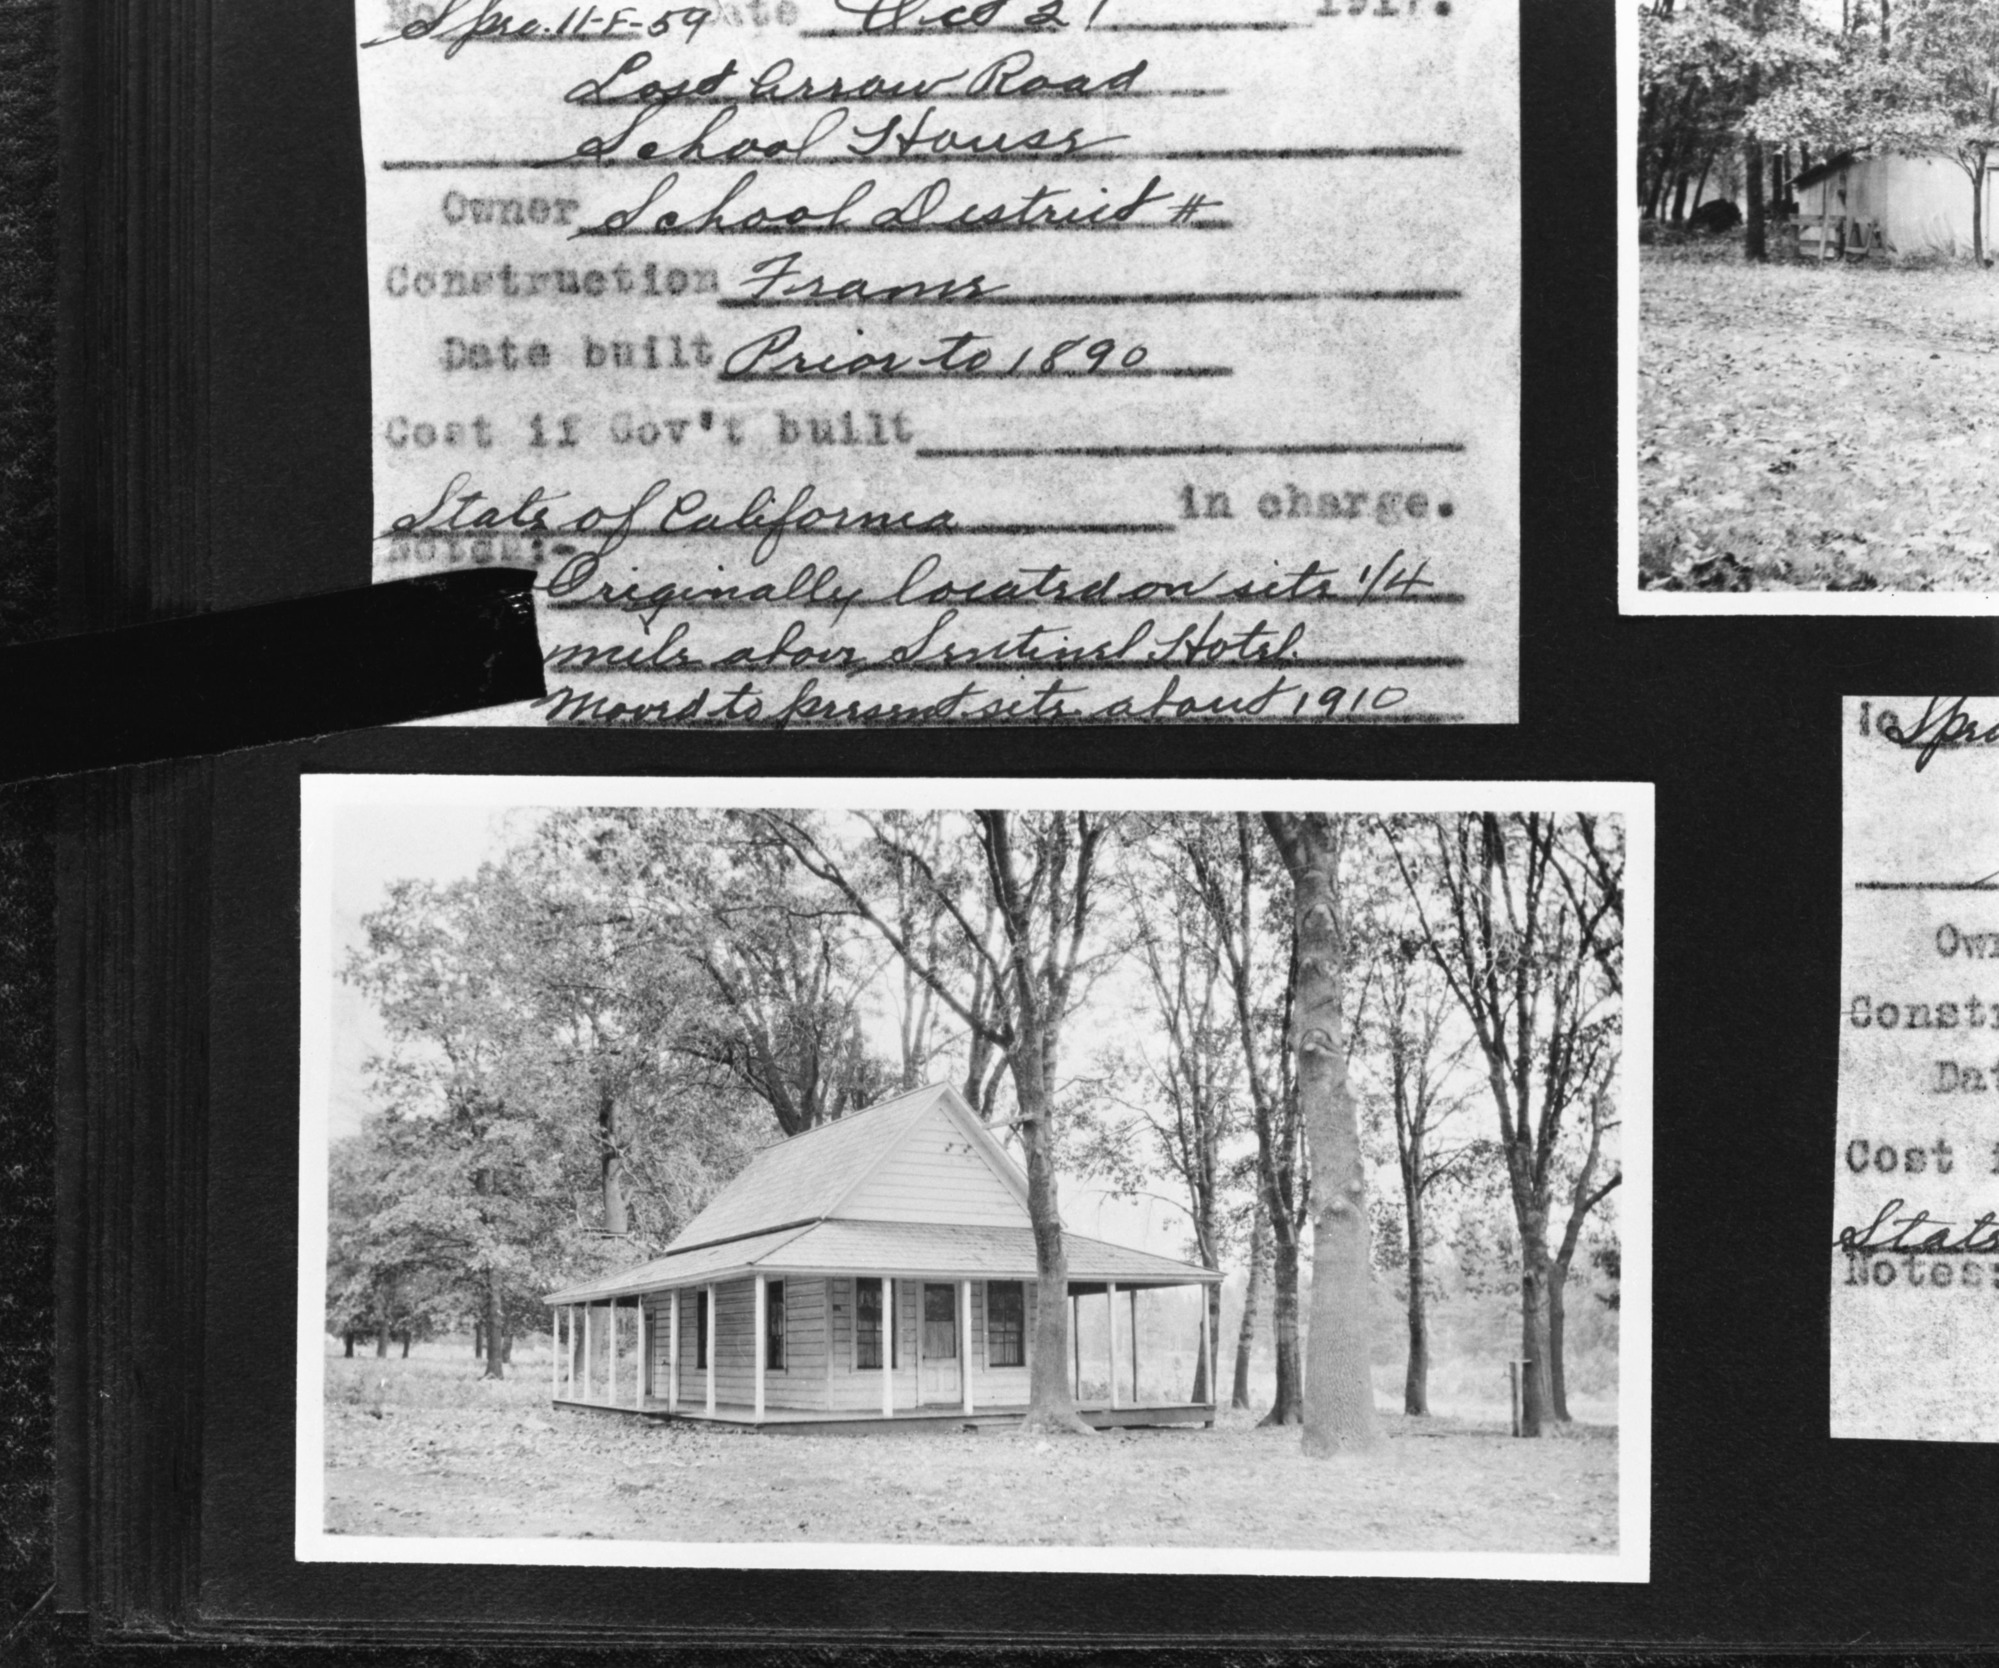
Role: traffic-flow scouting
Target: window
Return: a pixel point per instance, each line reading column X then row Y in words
column 774, row 1326
column 868, row 1327
column 700, row 1331
column 1006, row 1323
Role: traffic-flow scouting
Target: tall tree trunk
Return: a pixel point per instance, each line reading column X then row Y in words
column 1051, row 1404
column 1288, row 1405
column 1252, row 1301
column 616, row 1218
column 1339, row 1378
column 347, row 1338
column 478, row 1340
column 1536, row 1342
column 495, row 1367
column 1679, row 214
column 1978, row 213
column 1755, row 237
column 1558, row 1389
column 406, row 1346
column 1416, row 1380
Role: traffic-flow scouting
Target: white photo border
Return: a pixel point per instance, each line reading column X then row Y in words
column 1631, row 598
column 321, row 795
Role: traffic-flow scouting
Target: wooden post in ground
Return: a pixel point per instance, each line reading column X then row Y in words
column 965, row 1342
column 673, row 1352
column 888, row 1347
column 714, row 1332
column 758, row 1313
column 1110, row 1361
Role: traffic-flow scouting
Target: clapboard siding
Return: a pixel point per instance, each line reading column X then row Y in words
column 802, row 1383
column 935, row 1175
column 809, row 1380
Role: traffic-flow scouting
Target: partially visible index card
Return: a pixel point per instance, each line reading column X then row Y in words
column 901, row 363
column 1915, row 1249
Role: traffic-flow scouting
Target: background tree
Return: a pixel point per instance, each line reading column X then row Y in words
column 1522, row 962
column 1230, row 859
column 1417, row 1094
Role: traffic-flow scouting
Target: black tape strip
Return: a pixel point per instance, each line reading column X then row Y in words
column 383, row 654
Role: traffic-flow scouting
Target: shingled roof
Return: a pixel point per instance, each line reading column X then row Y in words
column 782, row 1214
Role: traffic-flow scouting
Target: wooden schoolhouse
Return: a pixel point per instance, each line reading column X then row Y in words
column 876, row 1270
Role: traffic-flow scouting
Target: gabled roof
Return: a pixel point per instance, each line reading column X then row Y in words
column 806, row 1177
column 785, row 1213
column 937, row 1250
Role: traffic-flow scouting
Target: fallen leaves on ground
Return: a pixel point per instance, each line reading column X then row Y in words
column 502, row 1464
column 1824, row 428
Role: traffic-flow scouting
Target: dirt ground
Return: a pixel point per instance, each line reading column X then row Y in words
column 436, row 1451
column 1816, row 427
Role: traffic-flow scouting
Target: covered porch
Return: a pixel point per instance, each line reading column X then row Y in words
column 837, row 1352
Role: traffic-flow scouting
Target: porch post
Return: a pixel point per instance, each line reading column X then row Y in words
column 1207, row 1354
column 1076, row 1344
column 639, row 1378
column 714, row 1337
column 1110, row 1303
column 965, row 1342
column 1135, row 1399
column 673, row 1352
column 589, row 1331
column 614, row 1336
column 554, row 1352
column 757, row 1321
column 888, row 1347
column 916, row 1401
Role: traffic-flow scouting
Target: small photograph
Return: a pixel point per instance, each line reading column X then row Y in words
column 851, row 1176
column 1816, row 312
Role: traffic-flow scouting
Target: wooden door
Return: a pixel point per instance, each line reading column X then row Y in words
column 940, row 1345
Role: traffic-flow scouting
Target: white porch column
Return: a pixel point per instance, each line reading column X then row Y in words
column 673, row 1351
column 712, row 1340
column 554, row 1353
column 757, row 1320
column 1076, row 1345
column 589, row 1328
column 617, row 1337
column 1110, row 1303
column 639, row 1378
column 965, row 1343
column 1207, row 1349
column 916, row 1401
column 1136, row 1401
column 888, row 1347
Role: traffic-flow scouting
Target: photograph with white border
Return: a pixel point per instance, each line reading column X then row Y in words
column 1013, row 1175
column 1806, row 307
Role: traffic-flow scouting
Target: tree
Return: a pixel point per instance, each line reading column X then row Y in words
column 1228, row 859
column 1040, row 878
column 1189, row 1099
column 1522, row 961
column 1413, row 1065
column 1339, row 1386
